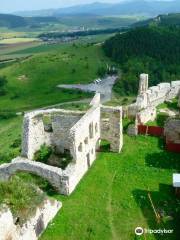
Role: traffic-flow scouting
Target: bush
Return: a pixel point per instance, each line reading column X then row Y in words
column 43, row 154
column 101, row 72
column 161, row 119
column 16, row 143
column 22, row 197
column 7, row 115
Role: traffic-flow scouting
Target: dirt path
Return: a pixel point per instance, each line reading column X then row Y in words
column 115, row 236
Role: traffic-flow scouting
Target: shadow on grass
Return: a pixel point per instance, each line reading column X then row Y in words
column 166, row 205
column 105, row 146
column 164, row 160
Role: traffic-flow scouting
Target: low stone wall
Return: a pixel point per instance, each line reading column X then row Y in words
column 33, row 228
column 64, row 181
column 53, row 175
column 146, row 115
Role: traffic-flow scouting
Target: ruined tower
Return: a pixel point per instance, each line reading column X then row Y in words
column 143, row 83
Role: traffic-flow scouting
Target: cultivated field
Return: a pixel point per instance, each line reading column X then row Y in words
column 17, row 40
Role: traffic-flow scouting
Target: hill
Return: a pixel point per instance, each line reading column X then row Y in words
column 155, row 50
column 172, row 19
column 12, row 21
column 136, row 7
column 65, row 22
column 32, row 83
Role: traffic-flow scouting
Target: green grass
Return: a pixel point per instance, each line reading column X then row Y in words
column 173, row 105
column 10, row 132
column 162, row 116
column 160, row 120
column 43, row 72
column 121, row 100
column 21, row 196
column 111, row 200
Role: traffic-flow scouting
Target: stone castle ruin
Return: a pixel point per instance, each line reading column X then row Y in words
column 79, row 134
column 76, row 132
column 144, row 109
column 150, row 97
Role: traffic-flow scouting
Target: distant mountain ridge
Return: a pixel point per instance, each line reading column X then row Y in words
column 172, row 19
column 13, row 21
column 77, row 21
column 136, row 7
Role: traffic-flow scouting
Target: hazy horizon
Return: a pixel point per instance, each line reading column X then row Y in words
column 6, row 6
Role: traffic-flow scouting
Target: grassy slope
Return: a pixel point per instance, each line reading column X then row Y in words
column 111, row 200
column 54, row 65
column 10, row 130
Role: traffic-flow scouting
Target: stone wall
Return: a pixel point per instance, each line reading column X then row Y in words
column 172, row 130
column 35, row 133
column 33, row 228
column 53, row 174
column 111, row 127
column 7, row 227
column 149, row 98
column 76, row 131
column 145, row 115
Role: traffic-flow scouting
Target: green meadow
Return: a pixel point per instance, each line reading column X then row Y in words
column 33, row 82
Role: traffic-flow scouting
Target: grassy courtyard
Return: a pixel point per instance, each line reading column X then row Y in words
column 112, row 199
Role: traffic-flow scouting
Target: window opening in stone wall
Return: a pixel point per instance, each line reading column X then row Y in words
column 47, row 123
column 91, row 133
column 88, row 160
column 86, row 140
column 80, row 148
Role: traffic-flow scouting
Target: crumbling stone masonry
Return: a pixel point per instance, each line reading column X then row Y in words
column 149, row 98
column 33, row 228
column 78, row 132
column 172, row 130
column 111, row 127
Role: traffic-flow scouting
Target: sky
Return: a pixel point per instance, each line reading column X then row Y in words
column 21, row 5
column 16, row 5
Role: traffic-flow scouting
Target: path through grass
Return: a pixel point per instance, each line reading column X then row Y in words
column 112, row 199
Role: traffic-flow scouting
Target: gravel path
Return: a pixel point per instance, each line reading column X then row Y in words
column 104, row 87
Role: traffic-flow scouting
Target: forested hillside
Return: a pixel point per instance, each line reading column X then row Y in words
column 154, row 50
column 11, row 21
column 172, row 19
